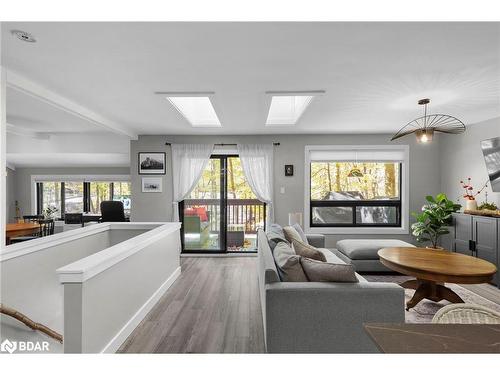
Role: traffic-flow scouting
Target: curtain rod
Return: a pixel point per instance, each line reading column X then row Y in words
column 225, row 144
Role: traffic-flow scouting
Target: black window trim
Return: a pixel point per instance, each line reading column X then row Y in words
column 357, row 203
column 86, row 195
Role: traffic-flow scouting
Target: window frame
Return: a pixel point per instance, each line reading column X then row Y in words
column 37, row 192
column 401, row 227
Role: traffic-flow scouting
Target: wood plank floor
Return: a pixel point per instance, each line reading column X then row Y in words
column 213, row 307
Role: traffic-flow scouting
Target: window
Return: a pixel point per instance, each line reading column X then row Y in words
column 198, row 110
column 355, row 194
column 79, row 196
column 287, row 107
column 99, row 191
column 122, row 192
column 355, row 188
column 73, row 197
column 51, row 193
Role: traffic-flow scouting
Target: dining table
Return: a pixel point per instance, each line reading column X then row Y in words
column 20, row 229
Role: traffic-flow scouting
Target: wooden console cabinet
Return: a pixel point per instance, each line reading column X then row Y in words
column 478, row 236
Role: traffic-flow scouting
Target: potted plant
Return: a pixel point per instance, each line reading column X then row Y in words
column 49, row 212
column 432, row 221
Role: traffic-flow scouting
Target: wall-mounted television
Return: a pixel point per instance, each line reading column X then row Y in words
column 491, row 152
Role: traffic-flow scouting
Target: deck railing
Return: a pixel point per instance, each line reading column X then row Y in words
column 248, row 213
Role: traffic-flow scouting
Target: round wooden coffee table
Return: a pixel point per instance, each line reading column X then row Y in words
column 432, row 268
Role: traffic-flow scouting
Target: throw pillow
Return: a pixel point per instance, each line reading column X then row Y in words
column 288, row 263
column 275, row 235
column 276, row 228
column 291, row 234
column 331, row 272
column 308, row 251
column 301, row 233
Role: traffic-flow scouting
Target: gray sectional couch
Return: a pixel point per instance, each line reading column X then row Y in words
column 363, row 254
column 322, row 317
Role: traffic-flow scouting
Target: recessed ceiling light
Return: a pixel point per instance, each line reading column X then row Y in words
column 197, row 108
column 24, row 36
column 286, row 108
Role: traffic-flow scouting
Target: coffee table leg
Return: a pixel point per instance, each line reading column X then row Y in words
column 448, row 294
column 421, row 292
column 409, row 284
column 429, row 290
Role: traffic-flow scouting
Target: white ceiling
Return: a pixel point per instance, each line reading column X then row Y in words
column 373, row 73
column 31, row 113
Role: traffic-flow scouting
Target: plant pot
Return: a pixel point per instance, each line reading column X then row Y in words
column 435, row 248
column 471, row 204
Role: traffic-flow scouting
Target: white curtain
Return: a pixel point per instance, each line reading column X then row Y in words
column 188, row 163
column 257, row 163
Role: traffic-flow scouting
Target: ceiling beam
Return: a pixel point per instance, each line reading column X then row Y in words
column 23, row 132
column 24, row 85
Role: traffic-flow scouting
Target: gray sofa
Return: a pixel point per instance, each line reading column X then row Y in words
column 363, row 253
column 321, row 317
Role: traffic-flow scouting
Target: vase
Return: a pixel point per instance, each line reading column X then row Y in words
column 471, row 204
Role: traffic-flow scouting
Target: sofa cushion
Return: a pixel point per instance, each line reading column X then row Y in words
column 331, row 272
column 288, row 263
column 276, row 228
column 308, row 251
column 301, row 233
column 331, row 257
column 275, row 235
column 367, row 249
column 316, row 239
column 291, row 234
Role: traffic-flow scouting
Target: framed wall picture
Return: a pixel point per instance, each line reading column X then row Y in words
column 152, row 184
column 152, row 162
column 289, row 170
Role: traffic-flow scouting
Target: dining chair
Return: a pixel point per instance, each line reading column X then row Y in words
column 47, row 227
column 32, row 218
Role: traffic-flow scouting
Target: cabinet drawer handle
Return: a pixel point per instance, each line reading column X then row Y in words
column 472, row 246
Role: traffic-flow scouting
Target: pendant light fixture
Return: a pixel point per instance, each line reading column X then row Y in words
column 424, row 127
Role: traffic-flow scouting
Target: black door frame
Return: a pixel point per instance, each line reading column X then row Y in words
column 223, row 212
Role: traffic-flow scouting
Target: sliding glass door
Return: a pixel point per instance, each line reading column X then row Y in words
column 201, row 212
column 222, row 214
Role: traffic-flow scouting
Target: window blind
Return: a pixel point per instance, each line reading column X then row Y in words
column 358, row 155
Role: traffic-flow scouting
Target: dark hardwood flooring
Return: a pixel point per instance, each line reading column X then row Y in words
column 213, row 307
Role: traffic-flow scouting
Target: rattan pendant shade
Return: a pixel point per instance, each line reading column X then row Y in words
column 424, row 127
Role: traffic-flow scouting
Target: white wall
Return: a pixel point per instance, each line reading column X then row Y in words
column 10, row 195
column 461, row 157
column 424, row 172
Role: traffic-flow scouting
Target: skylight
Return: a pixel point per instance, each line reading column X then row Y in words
column 198, row 110
column 286, row 109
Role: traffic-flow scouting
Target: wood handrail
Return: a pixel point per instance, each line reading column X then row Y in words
column 30, row 323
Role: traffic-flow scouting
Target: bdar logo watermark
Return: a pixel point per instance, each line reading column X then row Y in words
column 8, row 346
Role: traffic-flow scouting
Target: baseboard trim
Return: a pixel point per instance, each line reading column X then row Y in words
column 229, row 255
column 129, row 327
